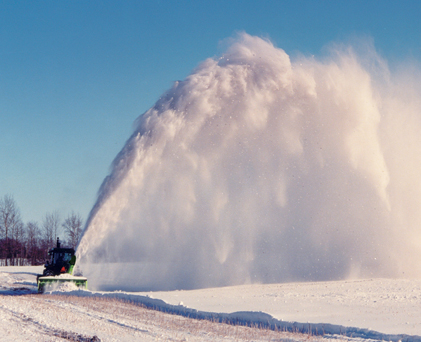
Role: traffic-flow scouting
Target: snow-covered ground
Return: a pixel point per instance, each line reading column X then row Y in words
column 384, row 305
column 373, row 309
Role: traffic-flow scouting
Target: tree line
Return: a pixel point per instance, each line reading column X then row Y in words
column 28, row 243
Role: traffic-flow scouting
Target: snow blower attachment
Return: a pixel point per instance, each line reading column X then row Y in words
column 59, row 270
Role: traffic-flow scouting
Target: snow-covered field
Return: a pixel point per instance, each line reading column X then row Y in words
column 372, row 309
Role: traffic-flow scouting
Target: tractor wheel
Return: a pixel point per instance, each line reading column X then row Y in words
column 48, row 273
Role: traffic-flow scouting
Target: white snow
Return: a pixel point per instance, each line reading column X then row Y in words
column 385, row 305
column 265, row 167
column 379, row 309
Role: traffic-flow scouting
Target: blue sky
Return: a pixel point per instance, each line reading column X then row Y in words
column 74, row 75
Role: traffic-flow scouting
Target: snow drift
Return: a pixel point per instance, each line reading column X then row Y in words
column 257, row 168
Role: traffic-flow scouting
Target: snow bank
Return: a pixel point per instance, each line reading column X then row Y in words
column 260, row 319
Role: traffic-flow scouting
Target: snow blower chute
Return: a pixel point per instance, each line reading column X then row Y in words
column 59, row 270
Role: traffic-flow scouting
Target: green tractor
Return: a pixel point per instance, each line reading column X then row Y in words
column 59, row 270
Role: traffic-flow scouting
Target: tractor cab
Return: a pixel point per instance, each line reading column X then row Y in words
column 61, row 260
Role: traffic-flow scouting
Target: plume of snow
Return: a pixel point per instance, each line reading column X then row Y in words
column 257, row 168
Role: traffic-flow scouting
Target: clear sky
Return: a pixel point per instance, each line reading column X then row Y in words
column 74, row 75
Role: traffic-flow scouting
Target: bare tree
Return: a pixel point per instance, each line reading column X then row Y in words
column 17, row 244
column 73, row 228
column 50, row 227
column 32, row 241
column 10, row 224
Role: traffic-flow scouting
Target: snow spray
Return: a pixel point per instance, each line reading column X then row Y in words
column 259, row 169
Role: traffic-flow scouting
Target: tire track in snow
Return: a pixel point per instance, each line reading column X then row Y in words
column 77, row 309
column 21, row 318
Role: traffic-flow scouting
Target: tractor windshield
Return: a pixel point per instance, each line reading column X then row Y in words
column 67, row 257
column 60, row 257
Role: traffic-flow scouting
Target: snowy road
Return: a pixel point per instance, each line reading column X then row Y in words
column 27, row 316
column 365, row 310
column 57, row 318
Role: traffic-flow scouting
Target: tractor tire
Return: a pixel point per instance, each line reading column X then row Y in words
column 48, row 273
